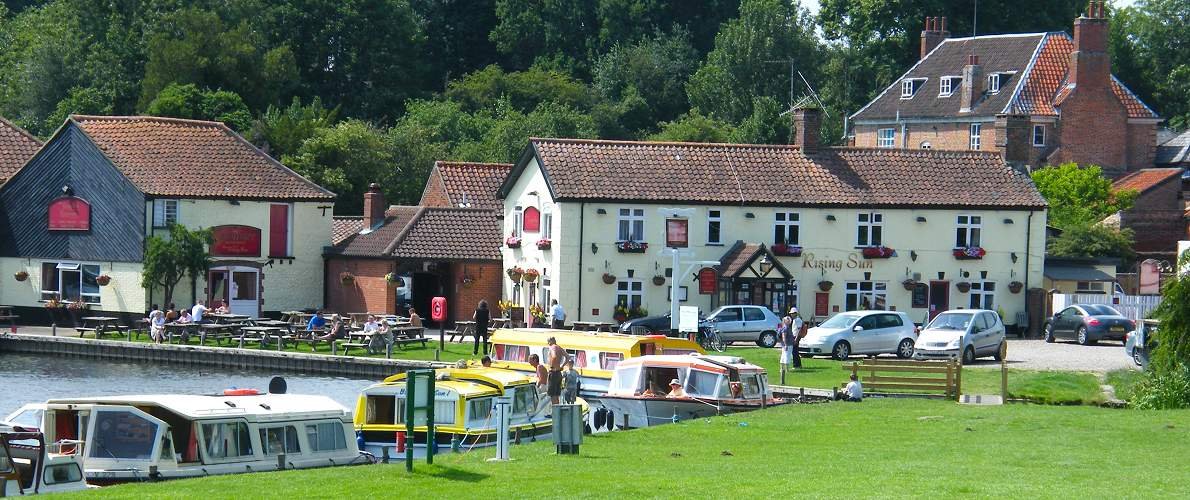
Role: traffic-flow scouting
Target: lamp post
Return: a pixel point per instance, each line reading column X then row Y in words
column 765, row 264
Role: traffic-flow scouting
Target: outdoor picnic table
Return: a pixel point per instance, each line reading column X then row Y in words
column 500, row 323
column 463, row 329
column 181, row 330
column 263, row 334
column 227, row 318
column 287, row 326
column 99, row 325
column 218, row 331
column 593, row 326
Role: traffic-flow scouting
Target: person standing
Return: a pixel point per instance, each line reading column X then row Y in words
column 796, row 327
column 787, row 336
column 198, row 311
column 558, row 314
column 539, row 369
column 482, row 317
column 558, row 357
column 570, row 383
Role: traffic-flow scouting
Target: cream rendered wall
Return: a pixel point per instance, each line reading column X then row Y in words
column 531, row 190
column 287, row 284
column 123, row 294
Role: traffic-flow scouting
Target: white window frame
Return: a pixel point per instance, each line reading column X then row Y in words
column 946, row 86
column 869, row 230
column 61, row 268
column 518, row 218
column 975, row 140
column 629, row 288
column 968, row 229
column 994, row 83
column 161, row 212
column 906, row 89
column 630, row 225
column 889, row 141
column 875, row 291
column 714, row 227
column 547, row 224
column 788, row 225
column 1090, row 287
column 982, row 295
column 1038, row 132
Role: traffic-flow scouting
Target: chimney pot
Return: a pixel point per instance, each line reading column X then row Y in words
column 933, row 35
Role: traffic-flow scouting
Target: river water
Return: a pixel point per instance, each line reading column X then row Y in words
column 27, row 378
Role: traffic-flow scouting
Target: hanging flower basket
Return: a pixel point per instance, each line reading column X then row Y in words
column 784, row 250
column 544, row 244
column 909, row 284
column 515, row 274
column 531, row 275
column 632, row 246
column 513, row 241
column 53, row 304
column 969, row 253
column 346, row 278
column 609, row 278
column 963, row 286
column 1016, row 287
column 466, row 281
column 659, row 280
column 878, row 252
column 825, row 285
column 21, row 275
column 103, row 280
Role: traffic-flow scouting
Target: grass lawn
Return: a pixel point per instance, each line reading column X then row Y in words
column 879, row 448
column 1124, row 381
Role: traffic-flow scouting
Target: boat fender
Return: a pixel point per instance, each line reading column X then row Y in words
column 241, row 392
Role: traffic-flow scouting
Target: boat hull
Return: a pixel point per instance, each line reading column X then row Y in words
column 103, row 477
column 648, row 412
column 383, row 444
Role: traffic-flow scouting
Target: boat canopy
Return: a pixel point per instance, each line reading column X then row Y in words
column 263, row 407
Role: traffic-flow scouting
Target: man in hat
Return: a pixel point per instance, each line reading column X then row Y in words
column 791, row 328
column 675, row 390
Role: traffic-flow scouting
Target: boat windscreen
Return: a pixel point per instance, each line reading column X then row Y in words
column 700, row 383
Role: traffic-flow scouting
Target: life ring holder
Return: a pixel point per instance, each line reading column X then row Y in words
column 241, row 392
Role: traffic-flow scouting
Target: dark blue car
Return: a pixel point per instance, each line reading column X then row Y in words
column 1088, row 324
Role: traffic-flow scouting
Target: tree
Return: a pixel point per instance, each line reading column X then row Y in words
column 167, row 261
column 524, row 90
column 1079, row 196
column 281, row 131
column 694, row 127
column 1149, row 53
column 345, row 159
column 188, row 101
column 652, row 71
column 765, row 126
column 1173, row 347
column 81, row 101
column 1093, row 240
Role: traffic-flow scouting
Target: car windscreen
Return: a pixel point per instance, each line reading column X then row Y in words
column 841, row 321
column 951, row 321
column 1101, row 310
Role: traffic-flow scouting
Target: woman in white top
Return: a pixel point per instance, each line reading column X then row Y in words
column 157, row 324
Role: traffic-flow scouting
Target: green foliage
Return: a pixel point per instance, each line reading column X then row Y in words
column 282, row 131
column 167, row 261
column 694, row 127
column 1167, row 389
column 1079, row 195
column 1173, row 337
column 188, row 101
column 1093, row 240
column 1148, row 44
column 765, row 126
column 81, row 101
column 524, row 90
column 345, row 159
column 652, row 71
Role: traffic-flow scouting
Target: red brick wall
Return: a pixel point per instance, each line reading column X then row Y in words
column 1093, row 131
column 368, row 292
column 434, row 195
column 948, row 136
column 1142, row 145
column 1157, row 218
column 488, row 282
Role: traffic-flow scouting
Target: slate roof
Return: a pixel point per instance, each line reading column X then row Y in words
column 1146, row 179
column 765, row 175
column 740, row 255
column 1074, row 272
column 193, row 159
column 1040, row 61
column 378, row 242
column 1175, row 151
column 16, row 148
column 470, row 182
column 451, row 234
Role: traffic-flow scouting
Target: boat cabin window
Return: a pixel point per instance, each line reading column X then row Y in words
column 609, row 360
column 579, row 357
column 227, row 440
column 702, row 383
column 524, row 400
column 751, row 386
column 625, row 380
column 479, row 412
column 444, row 412
column 326, row 436
column 278, row 440
column 27, row 417
column 167, row 448
column 123, row 434
column 647, row 348
column 5, row 462
column 383, row 410
column 657, row 380
column 63, row 473
column 512, row 353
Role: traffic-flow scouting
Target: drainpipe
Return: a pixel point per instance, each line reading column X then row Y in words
column 582, row 214
column 1028, row 249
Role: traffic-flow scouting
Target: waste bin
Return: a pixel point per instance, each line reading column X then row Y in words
column 568, row 428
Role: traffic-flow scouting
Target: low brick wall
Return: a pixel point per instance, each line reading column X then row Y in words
column 221, row 357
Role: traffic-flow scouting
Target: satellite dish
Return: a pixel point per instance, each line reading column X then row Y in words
column 277, row 385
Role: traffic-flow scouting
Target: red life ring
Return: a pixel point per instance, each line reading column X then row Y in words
column 241, row 392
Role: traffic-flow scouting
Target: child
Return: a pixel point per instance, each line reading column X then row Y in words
column 854, row 392
column 570, row 382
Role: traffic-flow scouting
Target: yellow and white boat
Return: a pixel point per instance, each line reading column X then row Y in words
column 595, row 354
column 463, row 411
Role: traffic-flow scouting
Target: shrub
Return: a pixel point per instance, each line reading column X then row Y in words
column 1164, row 391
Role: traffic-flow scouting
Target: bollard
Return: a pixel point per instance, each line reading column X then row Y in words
column 437, row 355
column 53, row 329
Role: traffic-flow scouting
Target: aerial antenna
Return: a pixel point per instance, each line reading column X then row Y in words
column 794, row 75
column 974, row 23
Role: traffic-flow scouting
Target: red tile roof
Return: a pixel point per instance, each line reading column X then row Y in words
column 451, row 234
column 471, row 183
column 377, row 242
column 748, row 174
column 343, row 227
column 16, row 148
column 193, row 159
column 1146, row 179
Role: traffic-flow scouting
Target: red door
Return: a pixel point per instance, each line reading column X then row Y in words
column 939, row 297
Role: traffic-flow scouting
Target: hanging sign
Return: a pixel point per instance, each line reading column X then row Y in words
column 69, row 213
column 706, row 281
column 677, row 233
column 235, row 241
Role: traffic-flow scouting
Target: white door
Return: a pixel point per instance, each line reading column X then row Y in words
column 244, row 295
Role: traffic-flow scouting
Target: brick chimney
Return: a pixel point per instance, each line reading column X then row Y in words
column 1090, row 66
column 1013, row 139
column 933, row 34
column 971, row 89
column 373, row 206
column 807, row 123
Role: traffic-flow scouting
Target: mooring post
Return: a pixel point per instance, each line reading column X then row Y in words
column 1004, row 379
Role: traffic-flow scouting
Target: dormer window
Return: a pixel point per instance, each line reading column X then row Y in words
column 909, row 87
column 994, row 83
column 947, row 85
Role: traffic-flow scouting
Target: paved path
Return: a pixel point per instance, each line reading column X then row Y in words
column 1038, row 355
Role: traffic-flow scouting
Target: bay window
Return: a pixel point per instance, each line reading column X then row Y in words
column 70, row 282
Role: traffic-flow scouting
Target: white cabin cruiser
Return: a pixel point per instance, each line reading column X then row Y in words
column 26, row 467
column 137, row 438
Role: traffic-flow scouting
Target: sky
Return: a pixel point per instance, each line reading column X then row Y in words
column 813, row 4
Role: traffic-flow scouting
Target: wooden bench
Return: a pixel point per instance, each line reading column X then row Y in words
column 348, row 345
column 400, row 342
column 917, row 377
column 83, row 331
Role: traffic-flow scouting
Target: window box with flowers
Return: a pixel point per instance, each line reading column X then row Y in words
column 878, row 252
column 544, row 244
column 631, row 246
column 531, row 275
column 515, row 273
column 969, row 253
column 622, row 314
column 784, row 250
column 513, row 241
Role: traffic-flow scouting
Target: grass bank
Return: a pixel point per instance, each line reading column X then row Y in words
column 878, row 448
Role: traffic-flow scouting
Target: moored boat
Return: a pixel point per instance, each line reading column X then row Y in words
column 640, row 393
column 137, row 438
column 26, row 467
column 463, row 411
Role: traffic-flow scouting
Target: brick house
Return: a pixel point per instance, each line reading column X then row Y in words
column 448, row 245
column 16, row 147
column 1038, row 98
column 1158, row 217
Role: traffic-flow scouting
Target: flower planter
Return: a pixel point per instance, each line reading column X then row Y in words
column 531, row 275
column 1016, row 287
column 963, row 286
column 909, row 285
column 544, row 244
column 969, row 253
column 825, row 285
column 103, row 280
column 21, row 275
column 609, row 279
column 632, row 247
column 878, row 252
column 784, row 250
column 515, row 274
column 513, row 242
column 658, row 280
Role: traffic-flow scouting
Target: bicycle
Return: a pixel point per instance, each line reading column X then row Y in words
column 710, row 340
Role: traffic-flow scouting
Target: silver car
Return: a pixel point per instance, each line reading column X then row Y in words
column 746, row 323
column 1141, row 341
column 861, row 332
column 963, row 333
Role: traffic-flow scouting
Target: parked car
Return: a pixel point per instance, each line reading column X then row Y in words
column 1088, row 324
column 746, row 323
column 861, row 332
column 964, row 333
column 647, row 325
column 1141, row 342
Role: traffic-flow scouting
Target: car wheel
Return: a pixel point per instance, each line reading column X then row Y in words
column 1137, row 357
column 1001, row 352
column 968, row 355
column 767, row 339
column 841, row 350
column 1049, row 333
column 905, row 349
column 1083, row 339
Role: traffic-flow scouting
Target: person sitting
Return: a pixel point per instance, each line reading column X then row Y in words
column 317, row 322
column 171, row 314
column 157, row 324
column 337, row 330
column 675, row 390
column 198, row 311
column 371, row 325
column 854, row 392
column 185, row 318
column 414, row 319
